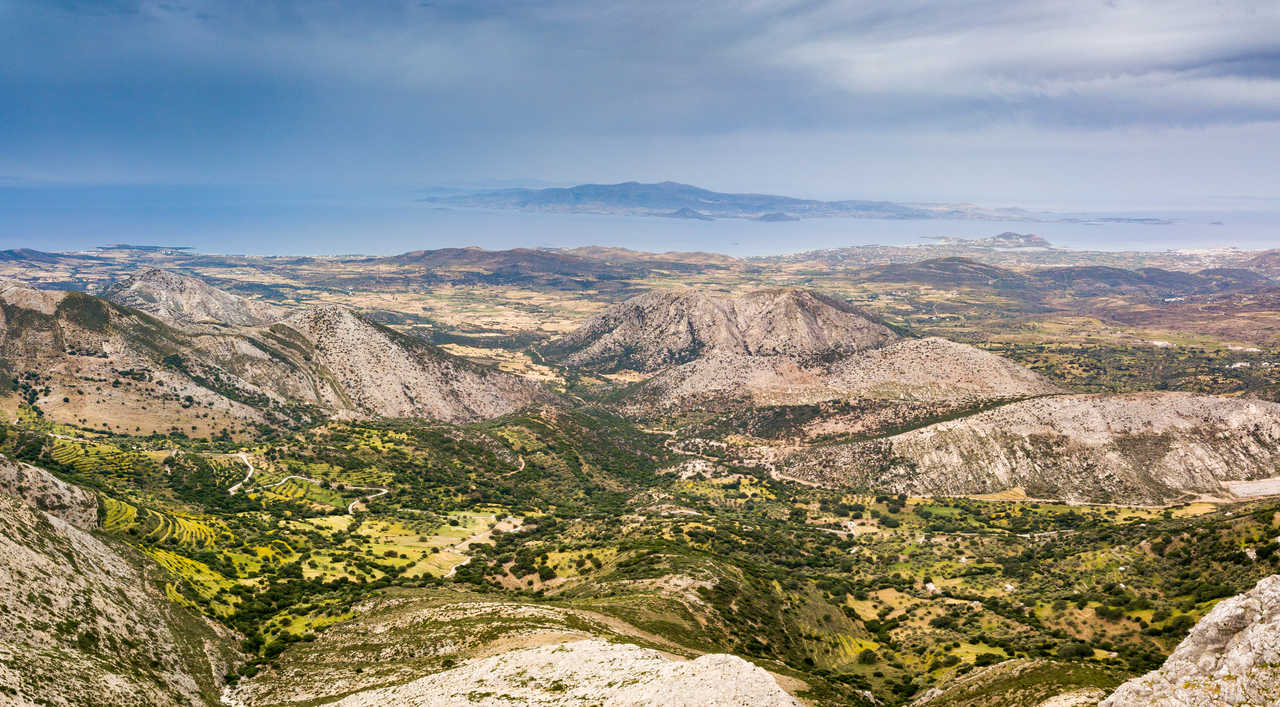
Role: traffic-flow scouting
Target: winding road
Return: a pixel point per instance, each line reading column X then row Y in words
column 351, row 508
column 244, row 458
column 517, row 471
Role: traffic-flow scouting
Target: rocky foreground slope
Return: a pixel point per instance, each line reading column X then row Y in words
column 1133, row 448
column 588, row 672
column 1231, row 657
column 86, row 622
column 414, row 648
column 47, row 493
column 783, row 347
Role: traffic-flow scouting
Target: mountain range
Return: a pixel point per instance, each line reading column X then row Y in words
column 195, row 358
column 676, row 200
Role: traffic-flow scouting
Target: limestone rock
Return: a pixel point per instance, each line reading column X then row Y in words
column 588, row 672
column 1231, row 657
column 48, row 493
column 783, row 347
column 189, row 300
column 1135, row 448
column 379, row 372
column 659, row 329
column 128, row 644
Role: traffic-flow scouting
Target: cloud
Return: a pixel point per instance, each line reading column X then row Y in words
column 239, row 88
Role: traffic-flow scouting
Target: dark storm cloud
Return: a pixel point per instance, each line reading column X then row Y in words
column 233, row 88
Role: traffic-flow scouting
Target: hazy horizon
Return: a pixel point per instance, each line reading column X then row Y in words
column 222, row 121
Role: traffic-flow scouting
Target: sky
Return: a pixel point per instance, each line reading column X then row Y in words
column 1122, row 105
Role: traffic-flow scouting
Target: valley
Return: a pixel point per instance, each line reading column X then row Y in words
column 964, row 474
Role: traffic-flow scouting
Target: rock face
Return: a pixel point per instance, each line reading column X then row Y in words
column 86, row 360
column 22, row 296
column 925, row 370
column 189, row 300
column 380, row 372
column 783, row 346
column 48, row 493
column 659, row 329
column 1136, row 448
column 129, row 644
column 588, row 672
column 1232, row 657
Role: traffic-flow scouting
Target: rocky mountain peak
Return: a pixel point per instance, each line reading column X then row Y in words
column 187, row 299
column 24, row 296
column 380, row 372
column 662, row 328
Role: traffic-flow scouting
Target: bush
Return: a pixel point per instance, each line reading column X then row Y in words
column 1075, row 651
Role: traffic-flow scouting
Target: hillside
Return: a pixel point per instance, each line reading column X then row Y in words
column 184, row 299
column 660, row 329
column 1229, row 658
column 589, row 672
column 403, row 650
column 783, row 347
column 930, row 370
column 90, row 362
column 49, row 494
column 1138, row 448
column 86, row 361
column 379, row 372
column 103, row 631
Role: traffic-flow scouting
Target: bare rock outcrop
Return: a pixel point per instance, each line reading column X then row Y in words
column 929, row 370
column 659, row 329
column 588, row 672
column 1231, row 657
column 189, row 300
column 1133, row 448
column 23, row 296
column 85, row 622
column 380, row 372
column 783, row 347
column 48, row 493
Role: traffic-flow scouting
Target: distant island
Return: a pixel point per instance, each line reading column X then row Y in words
column 1008, row 239
column 688, row 213
column 683, row 201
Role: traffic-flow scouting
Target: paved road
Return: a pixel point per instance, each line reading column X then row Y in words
column 377, row 490
column 244, row 458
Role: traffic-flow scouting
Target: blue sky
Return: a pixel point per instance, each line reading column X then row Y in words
column 1126, row 104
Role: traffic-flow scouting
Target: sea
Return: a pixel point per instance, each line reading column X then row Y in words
column 278, row 222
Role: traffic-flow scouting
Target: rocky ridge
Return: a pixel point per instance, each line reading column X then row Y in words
column 89, row 361
column 782, row 346
column 589, row 672
column 1231, row 657
column 925, row 370
column 663, row 328
column 102, row 631
column 1133, row 448
column 380, row 372
column 184, row 299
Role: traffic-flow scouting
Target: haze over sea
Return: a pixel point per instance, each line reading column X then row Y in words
column 273, row 221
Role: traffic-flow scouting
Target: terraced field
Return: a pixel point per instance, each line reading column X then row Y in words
column 103, row 460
